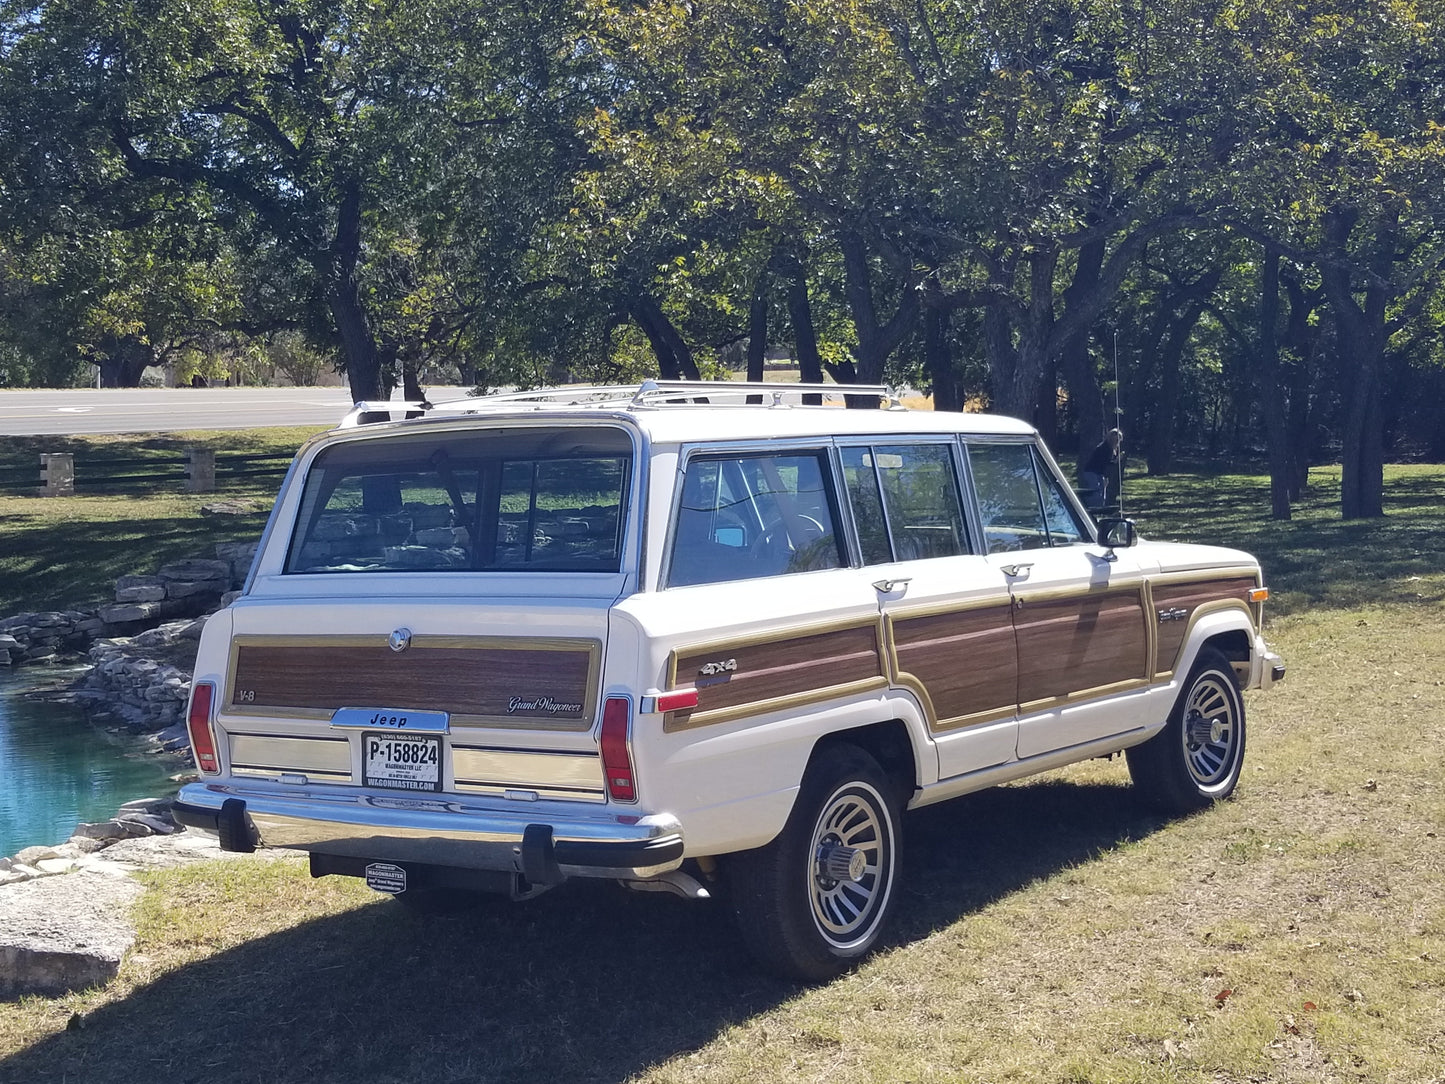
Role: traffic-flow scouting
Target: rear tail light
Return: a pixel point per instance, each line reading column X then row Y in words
column 616, row 755
column 198, row 722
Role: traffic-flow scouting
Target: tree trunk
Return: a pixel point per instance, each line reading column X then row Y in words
column 1302, row 339
column 876, row 341
column 758, row 329
column 1160, row 451
column 358, row 345
column 124, row 361
column 1272, row 390
column 1075, row 365
column 1018, row 369
column 938, row 358
column 1360, row 338
column 805, row 338
column 674, row 356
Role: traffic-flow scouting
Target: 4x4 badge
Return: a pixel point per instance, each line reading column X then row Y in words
column 399, row 640
column 727, row 666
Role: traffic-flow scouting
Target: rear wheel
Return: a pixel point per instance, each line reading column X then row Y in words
column 813, row 901
column 1197, row 758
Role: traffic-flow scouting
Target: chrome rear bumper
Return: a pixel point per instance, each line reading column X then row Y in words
column 543, row 841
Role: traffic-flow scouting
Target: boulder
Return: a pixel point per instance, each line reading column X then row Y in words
column 196, row 568
column 150, row 592
column 61, row 934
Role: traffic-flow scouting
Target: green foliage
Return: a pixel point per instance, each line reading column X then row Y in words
column 975, row 194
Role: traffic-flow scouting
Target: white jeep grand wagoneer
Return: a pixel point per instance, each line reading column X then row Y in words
column 687, row 635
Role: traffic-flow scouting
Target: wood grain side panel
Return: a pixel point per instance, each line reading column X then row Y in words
column 965, row 659
column 1067, row 645
column 802, row 665
column 1189, row 597
column 517, row 683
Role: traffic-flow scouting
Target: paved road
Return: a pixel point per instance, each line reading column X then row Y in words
column 49, row 412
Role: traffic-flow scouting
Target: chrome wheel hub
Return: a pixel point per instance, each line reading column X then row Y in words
column 1211, row 730
column 851, row 873
column 839, row 863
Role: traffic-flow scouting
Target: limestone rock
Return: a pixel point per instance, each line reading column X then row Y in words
column 59, row 934
column 101, row 830
column 141, row 593
column 31, row 855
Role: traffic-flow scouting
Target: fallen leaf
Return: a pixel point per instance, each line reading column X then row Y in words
column 1223, row 996
column 1310, row 1006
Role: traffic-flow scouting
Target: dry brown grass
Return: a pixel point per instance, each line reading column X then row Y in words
column 1049, row 931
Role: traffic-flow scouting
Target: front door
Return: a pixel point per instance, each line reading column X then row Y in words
column 1079, row 613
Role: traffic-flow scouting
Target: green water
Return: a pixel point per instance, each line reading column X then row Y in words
column 57, row 770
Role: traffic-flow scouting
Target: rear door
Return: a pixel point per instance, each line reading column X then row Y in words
column 946, row 609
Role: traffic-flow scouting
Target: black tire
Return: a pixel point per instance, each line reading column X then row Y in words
column 1197, row 758
column 813, row 901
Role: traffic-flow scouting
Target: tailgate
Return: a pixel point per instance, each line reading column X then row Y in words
column 490, row 695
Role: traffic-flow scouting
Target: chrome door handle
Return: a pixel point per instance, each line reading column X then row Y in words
column 885, row 586
column 1017, row 570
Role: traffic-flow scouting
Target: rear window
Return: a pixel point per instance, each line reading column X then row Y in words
column 521, row 500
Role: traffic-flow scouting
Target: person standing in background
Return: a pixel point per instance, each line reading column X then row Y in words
column 1100, row 471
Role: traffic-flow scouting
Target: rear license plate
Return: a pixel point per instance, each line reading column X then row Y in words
column 401, row 761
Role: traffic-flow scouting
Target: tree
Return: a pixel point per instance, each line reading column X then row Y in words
column 321, row 125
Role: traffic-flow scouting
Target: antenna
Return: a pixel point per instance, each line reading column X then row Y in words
column 1118, row 423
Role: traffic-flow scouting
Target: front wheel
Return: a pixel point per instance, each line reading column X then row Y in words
column 1197, row 758
column 814, row 900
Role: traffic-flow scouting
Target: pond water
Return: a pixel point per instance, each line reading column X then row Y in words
column 57, row 769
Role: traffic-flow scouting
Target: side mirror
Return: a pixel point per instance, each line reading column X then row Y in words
column 1114, row 533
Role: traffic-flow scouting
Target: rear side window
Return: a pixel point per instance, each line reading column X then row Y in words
column 905, row 501
column 523, row 500
column 741, row 517
column 1022, row 504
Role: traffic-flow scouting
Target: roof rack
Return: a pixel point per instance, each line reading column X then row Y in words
column 649, row 393
column 741, row 392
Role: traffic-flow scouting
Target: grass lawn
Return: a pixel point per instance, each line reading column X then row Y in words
column 1047, row 931
column 57, row 552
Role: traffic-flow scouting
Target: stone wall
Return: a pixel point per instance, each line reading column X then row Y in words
column 142, row 648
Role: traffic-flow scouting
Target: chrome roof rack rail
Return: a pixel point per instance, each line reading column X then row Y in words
column 387, row 406
column 650, row 393
column 654, row 392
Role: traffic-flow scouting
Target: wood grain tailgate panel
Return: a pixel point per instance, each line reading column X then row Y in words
column 519, row 685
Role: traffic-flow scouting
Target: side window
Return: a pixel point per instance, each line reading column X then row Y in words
column 1063, row 523
column 1008, row 497
column 743, row 517
column 1021, row 503
column 867, row 502
column 905, row 501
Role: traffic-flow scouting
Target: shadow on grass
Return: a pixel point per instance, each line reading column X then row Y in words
column 1314, row 559
column 76, row 562
column 588, row 983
